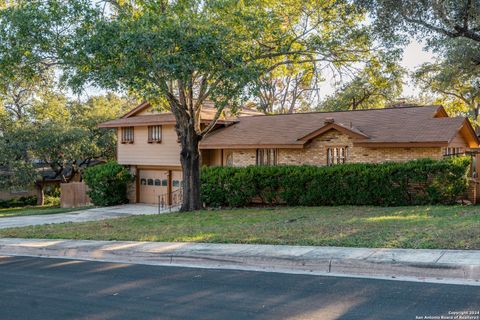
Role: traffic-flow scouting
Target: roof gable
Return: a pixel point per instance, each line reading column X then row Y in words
column 468, row 133
column 351, row 131
column 394, row 127
column 141, row 107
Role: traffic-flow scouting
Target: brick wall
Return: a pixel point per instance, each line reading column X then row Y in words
column 246, row 157
column 315, row 152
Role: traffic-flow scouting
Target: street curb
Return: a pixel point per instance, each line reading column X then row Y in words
column 357, row 262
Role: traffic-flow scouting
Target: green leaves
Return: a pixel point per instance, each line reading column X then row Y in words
column 456, row 85
column 57, row 135
column 107, row 184
column 379, row 83
column 387, row 184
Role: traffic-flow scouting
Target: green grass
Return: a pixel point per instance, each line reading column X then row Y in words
column 35, row 210
column 446, row 227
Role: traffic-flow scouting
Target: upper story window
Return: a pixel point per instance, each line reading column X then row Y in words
column 267, row 157
column 449, row 152
column 154, row 134
column 336, row 155
column 127, row 135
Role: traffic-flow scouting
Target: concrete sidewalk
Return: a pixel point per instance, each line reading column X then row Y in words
column 94, row 214
column 443, row 266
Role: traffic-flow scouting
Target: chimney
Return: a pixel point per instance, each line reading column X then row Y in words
column 329, row 120
column 401, row 103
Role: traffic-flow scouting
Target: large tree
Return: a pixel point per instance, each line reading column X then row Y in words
column 57, row 135
column 450, row 28
column 456, row 85
column 182, row 52
column 436, row 18
column 376, row 85
column 346, row 42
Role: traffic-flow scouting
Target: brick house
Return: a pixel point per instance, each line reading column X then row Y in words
column 147, row 142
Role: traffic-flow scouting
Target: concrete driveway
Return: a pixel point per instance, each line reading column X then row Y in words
column 80, row 216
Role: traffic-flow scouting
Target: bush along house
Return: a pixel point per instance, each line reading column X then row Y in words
column 147, row 141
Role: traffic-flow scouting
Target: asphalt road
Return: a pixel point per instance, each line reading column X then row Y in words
column 35, row 288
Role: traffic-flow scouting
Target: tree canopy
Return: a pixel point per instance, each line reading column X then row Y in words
column 56, row 135
column 451, row 30
column 457, row 89
column 378, row 84
column 181, row 53
column 178, row 54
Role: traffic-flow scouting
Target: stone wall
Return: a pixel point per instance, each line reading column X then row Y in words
column 315, row 153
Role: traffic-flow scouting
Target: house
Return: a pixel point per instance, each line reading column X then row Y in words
column 147, row 141
column 47, row 178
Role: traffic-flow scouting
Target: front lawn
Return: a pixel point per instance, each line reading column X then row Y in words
column 36, row 210
column 447, row 227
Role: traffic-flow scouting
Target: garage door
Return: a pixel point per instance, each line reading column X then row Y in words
column 153, row 183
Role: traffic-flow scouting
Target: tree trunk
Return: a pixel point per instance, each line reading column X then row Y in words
column 190, row 160
column 40, row 193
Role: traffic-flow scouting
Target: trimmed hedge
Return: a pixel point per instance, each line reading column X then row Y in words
column 107, row 184
column 388, row 184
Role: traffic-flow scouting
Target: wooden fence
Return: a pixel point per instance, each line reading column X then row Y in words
column 74, row 194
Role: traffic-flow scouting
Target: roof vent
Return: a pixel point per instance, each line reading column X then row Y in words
column 329, row 120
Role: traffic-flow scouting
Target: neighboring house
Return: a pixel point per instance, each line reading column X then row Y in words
column 47, row 178
column 147, row 141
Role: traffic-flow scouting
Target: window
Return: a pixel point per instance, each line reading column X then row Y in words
column 267, row 157
column 154, row 134
column 127, row 135
column 336, row 155
column 449, row 152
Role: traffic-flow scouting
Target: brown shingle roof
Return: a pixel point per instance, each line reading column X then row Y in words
column 399, row 125
column 143, row 120
column 132, row 120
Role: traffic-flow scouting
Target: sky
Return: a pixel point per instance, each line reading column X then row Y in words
column 413, row 56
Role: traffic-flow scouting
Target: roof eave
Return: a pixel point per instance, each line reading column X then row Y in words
column 400, row 144
column 114, row 124
column 252, row 146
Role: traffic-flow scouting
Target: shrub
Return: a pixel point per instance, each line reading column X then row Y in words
column 388, row 184
column 107, row 184
column 51, row 201
column 19, row 202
